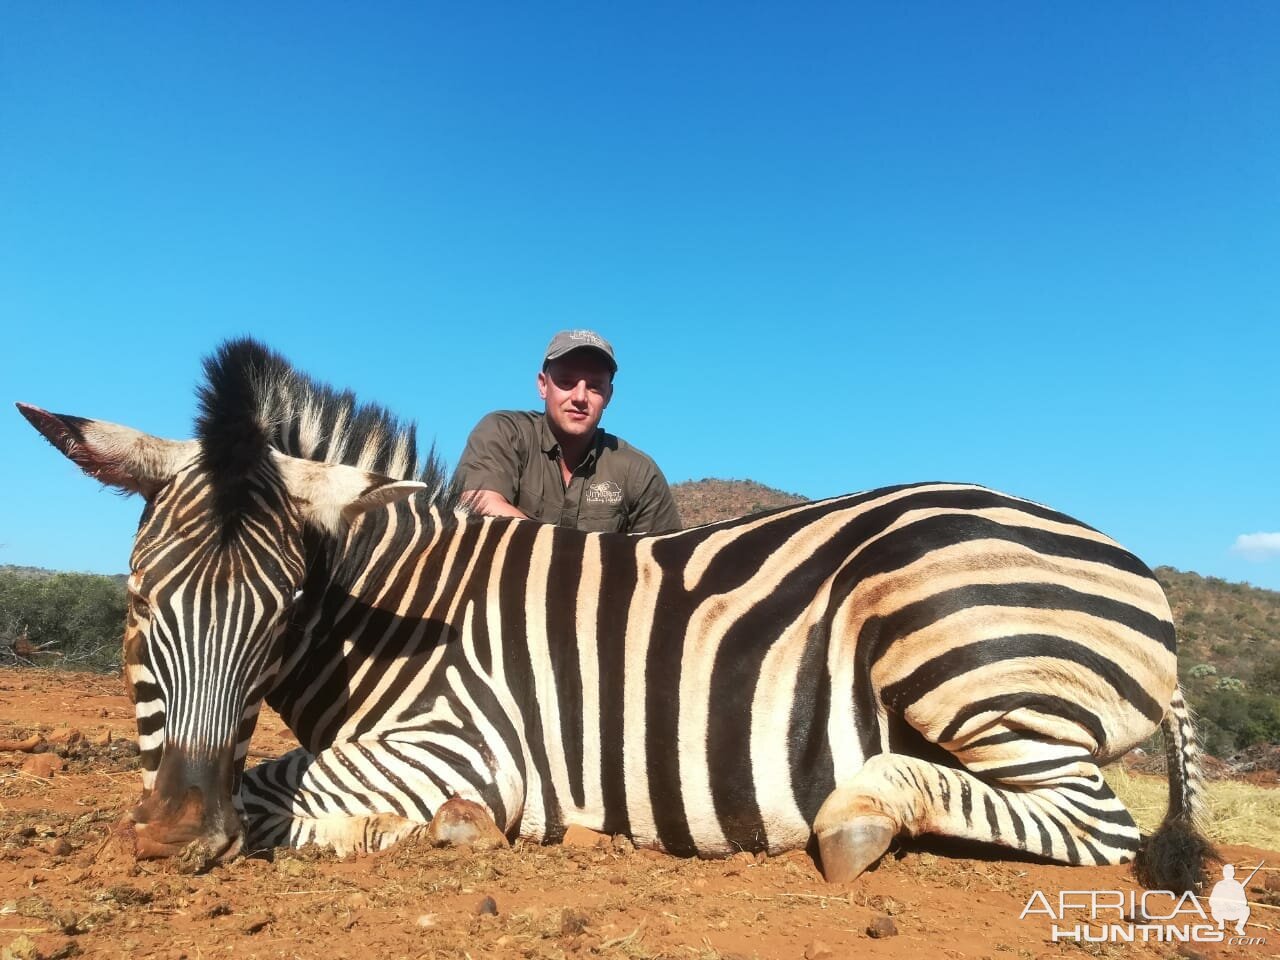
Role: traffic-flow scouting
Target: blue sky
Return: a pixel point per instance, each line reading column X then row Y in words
column 836, row 245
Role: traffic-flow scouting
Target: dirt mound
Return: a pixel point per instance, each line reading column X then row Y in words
column 1260, row 758
column 1259, row 764
column 1153, row 764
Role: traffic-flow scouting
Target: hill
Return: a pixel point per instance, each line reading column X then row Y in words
column 706, row 501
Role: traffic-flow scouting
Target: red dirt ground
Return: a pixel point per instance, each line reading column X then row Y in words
column 70, row 886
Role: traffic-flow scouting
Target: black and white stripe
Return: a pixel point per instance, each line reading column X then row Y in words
column 705, row 692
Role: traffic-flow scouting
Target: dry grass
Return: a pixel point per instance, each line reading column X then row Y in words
column 1239, row 812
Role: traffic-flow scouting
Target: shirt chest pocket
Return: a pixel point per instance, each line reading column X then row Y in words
column 602, row 517
column 601, row 509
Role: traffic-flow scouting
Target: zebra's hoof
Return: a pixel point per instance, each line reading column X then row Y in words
column 847, row 850
column 464, row 823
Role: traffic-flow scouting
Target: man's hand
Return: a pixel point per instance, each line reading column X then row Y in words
column 490, row 503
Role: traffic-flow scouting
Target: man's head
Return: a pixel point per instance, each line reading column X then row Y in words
column 576, row 382
column 574, row 341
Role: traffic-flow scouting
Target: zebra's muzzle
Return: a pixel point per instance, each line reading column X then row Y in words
column 191, row 802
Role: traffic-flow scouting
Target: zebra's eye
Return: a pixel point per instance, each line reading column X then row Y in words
column 297, row 595
column 139, row 606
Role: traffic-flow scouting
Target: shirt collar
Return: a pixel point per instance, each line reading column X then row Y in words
column 551, row 446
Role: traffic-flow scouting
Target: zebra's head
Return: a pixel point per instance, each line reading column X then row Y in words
column 217, row 565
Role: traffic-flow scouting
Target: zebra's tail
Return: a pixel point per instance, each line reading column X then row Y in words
column 1173, row 858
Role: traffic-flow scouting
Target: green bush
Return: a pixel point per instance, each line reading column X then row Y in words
column 1233, row 719
column 69, row 619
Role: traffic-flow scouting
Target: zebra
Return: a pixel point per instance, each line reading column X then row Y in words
column 928, row 658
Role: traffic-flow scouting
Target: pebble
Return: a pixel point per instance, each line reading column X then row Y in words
column 68, row 948
column 258, row 923
column 43, row 765
column 292, row 868
column 23, row 948
column 127, row 896
column 58, row 848
column 69, row 923
column 882, row 927
column 817, row 950
column 65, row 735
column 572, row 922
column 577, row 836
column 486, row 907
column 885, row 904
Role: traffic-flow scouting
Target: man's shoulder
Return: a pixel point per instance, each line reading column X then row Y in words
column 625, row 454
column 519, row 421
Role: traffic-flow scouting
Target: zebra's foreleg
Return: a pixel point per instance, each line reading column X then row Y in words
column 358, row 797
column 464, row 823
column 1066, row 813
column 302, row 799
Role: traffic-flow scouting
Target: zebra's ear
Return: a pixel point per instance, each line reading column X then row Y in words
column 120, row 457
column 333, row 494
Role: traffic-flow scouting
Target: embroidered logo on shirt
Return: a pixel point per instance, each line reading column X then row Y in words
column 604, row 491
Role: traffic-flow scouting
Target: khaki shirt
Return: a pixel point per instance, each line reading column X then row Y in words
column 616, row 488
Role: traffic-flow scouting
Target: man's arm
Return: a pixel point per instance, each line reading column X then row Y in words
column 489, row 471
column 490, row 503
column 655, row 509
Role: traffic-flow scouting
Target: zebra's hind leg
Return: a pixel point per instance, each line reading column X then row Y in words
column 1063, row 811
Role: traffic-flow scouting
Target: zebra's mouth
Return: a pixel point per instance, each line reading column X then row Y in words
column 200, row 852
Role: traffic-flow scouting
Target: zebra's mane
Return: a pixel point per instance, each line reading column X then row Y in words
column 253, row 400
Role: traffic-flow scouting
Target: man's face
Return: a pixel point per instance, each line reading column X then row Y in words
column 576, row 387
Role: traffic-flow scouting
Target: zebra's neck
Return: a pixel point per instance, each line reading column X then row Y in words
column 375, row 599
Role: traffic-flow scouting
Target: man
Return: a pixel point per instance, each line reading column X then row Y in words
column 559, row 466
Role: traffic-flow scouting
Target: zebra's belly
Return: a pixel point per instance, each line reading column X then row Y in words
column 782, row 833
column 761, row 793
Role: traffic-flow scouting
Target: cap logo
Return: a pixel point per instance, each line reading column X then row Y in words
column 569, row 340
column 586, row 336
